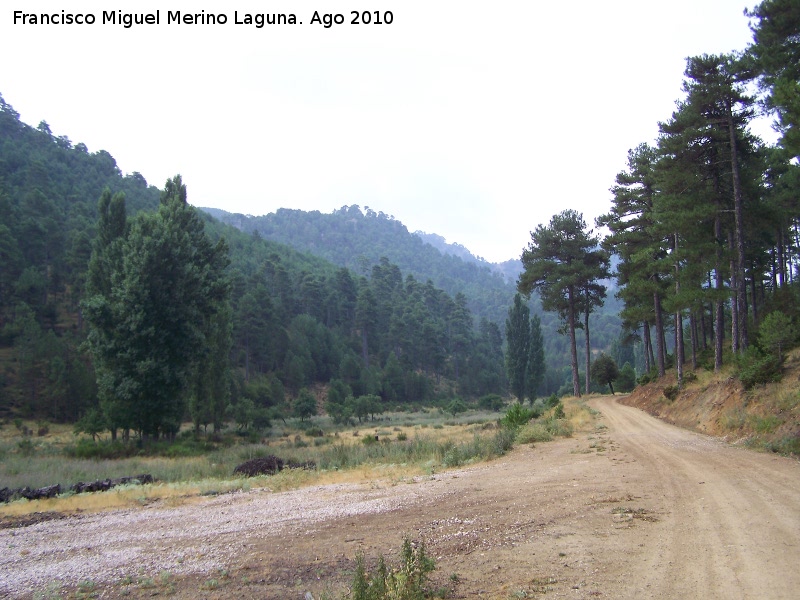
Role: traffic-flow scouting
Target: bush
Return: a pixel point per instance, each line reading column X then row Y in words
column 671, row 392
column 406, row 582
column 503, row 440
column 532, row 433
column 86, row 448
column 491, row 402
column 558, row 413
column 558, row 427
column 754, row 368
column 516, row 416
column 315, row 432
column 646, row 378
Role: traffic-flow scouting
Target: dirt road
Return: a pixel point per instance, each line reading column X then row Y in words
column 636, row 509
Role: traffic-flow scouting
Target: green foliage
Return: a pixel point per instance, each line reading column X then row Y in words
column 671, row 392
column 315, row 432
column 92, row 423
column 558, row 427
column 755, row 368
column 405, row 582
column 533, row 433
column 516, row 416
column 605, row 371
column 776, row 333
column 558, row 411
column 305, row 405
column 562, row 263
column 775, row 57
column 626, row 381
column 518, row 351
column 150, row 310
column 456, row 406
column 537, row 366
column 493, row 402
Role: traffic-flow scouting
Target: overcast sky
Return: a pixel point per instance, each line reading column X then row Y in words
column 474, row 120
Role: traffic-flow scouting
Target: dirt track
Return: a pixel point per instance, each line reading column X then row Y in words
column 638, row 509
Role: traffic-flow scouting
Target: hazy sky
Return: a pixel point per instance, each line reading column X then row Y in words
column 474, row 120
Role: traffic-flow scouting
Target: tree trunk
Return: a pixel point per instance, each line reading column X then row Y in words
column 649, row 363
column 659, row 335
column 678, row 322
column 741, row 289
column 587, row 376
column 576, row 382
column 734, row 303
column 693, row 333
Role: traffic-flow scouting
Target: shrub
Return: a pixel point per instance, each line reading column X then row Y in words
column 491, row 402
column 558, row 427
column 671, row 392
column 503, row 440
column 558, row 413
column 753, row 368
column 86, row 448
column 25, row 447
column 406, row 582
column 532, row 433
column 315, row 432
column 516, row 416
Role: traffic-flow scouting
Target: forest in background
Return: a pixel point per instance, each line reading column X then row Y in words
column 295, row 320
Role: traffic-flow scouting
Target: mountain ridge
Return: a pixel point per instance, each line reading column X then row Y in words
column 356, row 239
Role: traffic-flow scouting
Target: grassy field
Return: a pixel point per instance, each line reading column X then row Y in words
column 407, row 445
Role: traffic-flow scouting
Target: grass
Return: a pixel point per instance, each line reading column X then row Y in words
column 409, row 445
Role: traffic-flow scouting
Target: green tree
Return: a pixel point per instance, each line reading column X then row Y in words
column 518, row 352
column 536, row 367
column 556, row 264
column 627, row 378
column 605, row 371
column 776, row 63
column 632, row 238
column 305, row 405
column 776, row 333
column 149, row 328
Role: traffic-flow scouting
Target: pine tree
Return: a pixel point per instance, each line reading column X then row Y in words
column 556, row 264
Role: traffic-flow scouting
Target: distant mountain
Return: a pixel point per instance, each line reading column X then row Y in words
column 358, row 239
column 510, row 269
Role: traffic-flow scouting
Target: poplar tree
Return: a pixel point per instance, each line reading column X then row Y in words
column 518, row 337
column 536, row 361
column 159, row 323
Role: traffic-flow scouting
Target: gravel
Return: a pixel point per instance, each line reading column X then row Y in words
column 200, row 537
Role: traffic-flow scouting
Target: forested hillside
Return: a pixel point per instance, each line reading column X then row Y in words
column 357, row 239
column 85, row 251
column 49, row 188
